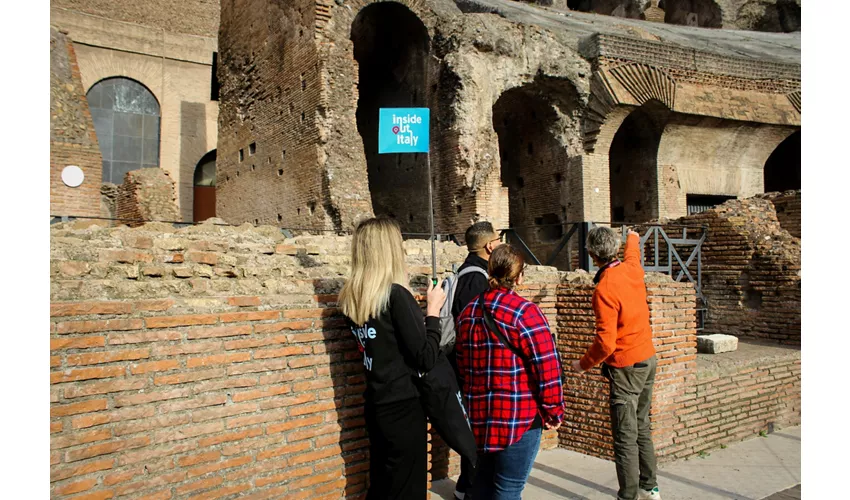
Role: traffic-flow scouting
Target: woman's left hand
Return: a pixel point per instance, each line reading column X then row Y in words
column 436, row 298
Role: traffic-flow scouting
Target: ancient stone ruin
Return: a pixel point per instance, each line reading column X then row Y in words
column 211, row 360
column 540, row 116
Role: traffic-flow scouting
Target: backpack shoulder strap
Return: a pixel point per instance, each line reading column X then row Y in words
column 472, row 269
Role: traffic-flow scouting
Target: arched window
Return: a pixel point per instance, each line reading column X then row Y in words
column 126, row 120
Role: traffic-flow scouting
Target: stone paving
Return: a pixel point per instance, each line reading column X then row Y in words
column 760, row 468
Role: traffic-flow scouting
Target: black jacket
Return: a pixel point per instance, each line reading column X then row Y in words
column 469, row 286
column 395, row 346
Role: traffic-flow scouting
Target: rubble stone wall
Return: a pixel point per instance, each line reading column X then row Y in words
column 751, row 272
column 788, row 210
column 147, row 194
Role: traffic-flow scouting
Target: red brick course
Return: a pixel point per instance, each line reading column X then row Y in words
column 251, row 381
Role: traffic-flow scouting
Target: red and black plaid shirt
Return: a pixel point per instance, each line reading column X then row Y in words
column 502, row 399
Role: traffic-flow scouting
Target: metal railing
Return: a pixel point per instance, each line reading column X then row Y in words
column 678, row 256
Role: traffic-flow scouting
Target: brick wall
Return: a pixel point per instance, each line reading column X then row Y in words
column 587, row 427
column 72, row 137
column 147, row 194
column 211, row 360
column 208, row 361
column 737, row 396
column 167, row 47
column 533, row 170
column 268, row 168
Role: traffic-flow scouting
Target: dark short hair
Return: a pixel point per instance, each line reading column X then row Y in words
column 478, row 235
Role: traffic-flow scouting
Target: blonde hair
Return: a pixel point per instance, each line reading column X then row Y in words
column 377, row 261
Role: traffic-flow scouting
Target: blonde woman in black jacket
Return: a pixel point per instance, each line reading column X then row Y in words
column 397, row 342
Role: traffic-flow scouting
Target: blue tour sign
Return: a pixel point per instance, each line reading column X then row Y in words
column 406, row 130
column 403, row 130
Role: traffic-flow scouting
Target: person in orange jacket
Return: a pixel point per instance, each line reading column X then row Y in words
column 623, row 345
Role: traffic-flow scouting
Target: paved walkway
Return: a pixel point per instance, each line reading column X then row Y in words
column 751, row 470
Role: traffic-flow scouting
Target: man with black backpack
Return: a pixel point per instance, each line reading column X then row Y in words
column 470, row 281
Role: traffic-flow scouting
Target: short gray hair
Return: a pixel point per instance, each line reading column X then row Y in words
column 603, row 242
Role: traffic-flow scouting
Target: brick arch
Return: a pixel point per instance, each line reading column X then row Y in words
column 633, row 163
column 105, row 65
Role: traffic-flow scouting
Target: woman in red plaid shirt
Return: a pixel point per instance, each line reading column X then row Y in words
column 512, row 392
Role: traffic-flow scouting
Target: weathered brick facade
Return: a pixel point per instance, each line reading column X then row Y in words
column 300, row 99
column 211, row 360
column 72, row 137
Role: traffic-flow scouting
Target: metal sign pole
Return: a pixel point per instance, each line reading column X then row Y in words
column 407, row 130
column 431, row 213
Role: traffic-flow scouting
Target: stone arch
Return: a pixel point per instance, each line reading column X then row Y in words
column 533, row 124
column 778, row 16
column 103, row 64
column 701, row 13
column 126, row 116
column 703, row 156
column 782, row 170
column 391, row 48
column 203, row 188
column 618, row 8
column 633, row 164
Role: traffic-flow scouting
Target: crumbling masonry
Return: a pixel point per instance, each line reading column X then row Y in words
column 539, row 116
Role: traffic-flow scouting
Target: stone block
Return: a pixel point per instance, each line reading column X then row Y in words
column 716, row 343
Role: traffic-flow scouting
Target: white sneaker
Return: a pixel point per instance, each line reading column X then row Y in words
column 652, row 494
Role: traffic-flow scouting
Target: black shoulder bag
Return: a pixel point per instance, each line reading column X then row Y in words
column 493, row 327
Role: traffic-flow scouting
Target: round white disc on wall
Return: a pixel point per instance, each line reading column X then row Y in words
column 72, row 176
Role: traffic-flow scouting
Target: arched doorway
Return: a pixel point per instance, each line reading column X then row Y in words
column 203, row 200
column 701, row 13
column 126, row 121
column 782, row 170
column 616, row 8
column 533, row 167
column 633, row 164
column 391, row 47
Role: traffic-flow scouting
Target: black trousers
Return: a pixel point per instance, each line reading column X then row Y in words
column 467, row 470
column 398, row 451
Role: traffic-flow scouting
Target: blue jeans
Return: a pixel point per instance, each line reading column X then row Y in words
column 501, row 475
